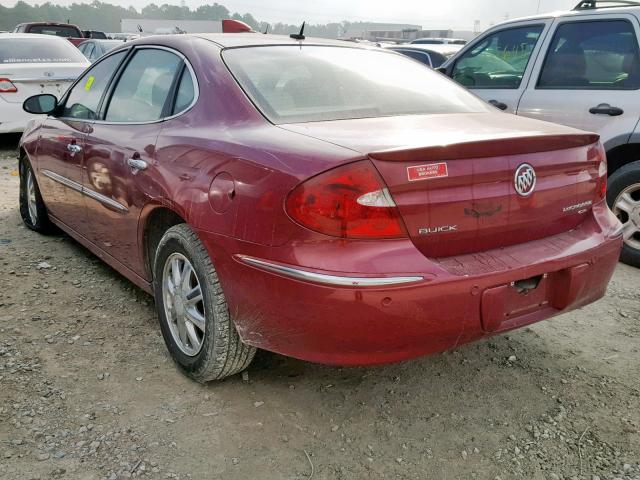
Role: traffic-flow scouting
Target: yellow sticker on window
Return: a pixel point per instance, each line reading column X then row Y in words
column 90, row 80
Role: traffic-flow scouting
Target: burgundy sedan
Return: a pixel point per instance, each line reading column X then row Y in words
column 322, row 200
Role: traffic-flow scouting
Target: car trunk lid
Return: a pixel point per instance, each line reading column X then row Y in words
column 37, row 78
column 455, row 180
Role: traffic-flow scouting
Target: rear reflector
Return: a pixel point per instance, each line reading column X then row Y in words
column 350, row 201
column 6, row 86
column 597, row 153
column 379, row 198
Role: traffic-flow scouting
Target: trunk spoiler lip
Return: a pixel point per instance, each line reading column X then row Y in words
column 485, row 148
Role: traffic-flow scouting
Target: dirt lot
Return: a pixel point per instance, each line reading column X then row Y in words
column 87, row 390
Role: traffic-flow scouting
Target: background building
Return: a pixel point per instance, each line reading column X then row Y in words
column 393, row 32
column 368, row 31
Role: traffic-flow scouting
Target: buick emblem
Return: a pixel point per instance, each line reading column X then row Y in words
column 49, row 74
column 525, row 180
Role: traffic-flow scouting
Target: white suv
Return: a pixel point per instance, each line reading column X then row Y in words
column 579, row 68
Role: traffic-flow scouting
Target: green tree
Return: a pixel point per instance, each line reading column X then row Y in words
column 103, row 16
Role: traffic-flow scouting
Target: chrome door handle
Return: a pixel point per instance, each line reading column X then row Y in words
column 137, row 164
column 74, row 148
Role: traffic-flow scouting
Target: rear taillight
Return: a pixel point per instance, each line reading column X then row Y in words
column 350, row 201
column 6, row 86
column 599, row 155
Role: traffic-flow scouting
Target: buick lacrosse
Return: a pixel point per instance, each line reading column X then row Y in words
column 323, row 200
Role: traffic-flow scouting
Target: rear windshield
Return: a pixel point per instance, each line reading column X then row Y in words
column 38, row 50
column 57, row 30
column 291, row 84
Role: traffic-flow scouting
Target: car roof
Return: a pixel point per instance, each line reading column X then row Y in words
column 103, row 40
column 438, row 48
column 444, row 39
column 58, row 24
column 573, row 13
column 32, row 36
column 234, row 40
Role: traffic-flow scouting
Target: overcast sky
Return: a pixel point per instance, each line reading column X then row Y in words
column 458, row 14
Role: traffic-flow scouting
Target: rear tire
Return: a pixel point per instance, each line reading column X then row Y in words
column 32, row 208
column 193, row 312
column 623, row 197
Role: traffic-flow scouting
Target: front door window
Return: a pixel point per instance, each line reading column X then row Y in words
column 500, row 60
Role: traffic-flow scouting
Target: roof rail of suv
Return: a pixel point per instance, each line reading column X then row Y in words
column 592, row 4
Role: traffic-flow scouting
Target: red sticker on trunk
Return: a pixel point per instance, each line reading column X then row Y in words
column 426, row 172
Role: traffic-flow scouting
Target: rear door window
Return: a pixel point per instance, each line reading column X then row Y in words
column 185, row 93
column 89, row 51
column 143, row 87
column 499, row 60
column 597, row 55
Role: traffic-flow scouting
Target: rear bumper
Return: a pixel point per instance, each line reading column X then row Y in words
column 13, row 119
column 458, row 300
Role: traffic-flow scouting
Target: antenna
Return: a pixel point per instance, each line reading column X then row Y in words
column 299, row 36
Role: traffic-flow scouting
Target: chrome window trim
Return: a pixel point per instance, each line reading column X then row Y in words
column 196, row 87
column 85, row 191
column 327, row 279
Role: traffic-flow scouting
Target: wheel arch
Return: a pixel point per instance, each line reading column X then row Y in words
column 621, row 155
column 22, row 155
column 155, row 221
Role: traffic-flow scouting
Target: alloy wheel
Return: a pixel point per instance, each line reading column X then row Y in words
column 627, row 209
column 183, row 304
column 31, row 198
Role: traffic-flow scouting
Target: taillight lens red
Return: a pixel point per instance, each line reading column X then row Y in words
column 598, row 154
column 351, row 201
column 6, row 86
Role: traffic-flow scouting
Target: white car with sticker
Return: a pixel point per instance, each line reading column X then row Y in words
column 31, row 64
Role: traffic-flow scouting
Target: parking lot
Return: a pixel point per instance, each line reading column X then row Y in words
column 88, row 390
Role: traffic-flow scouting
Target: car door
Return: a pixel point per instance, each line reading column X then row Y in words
column 589, row 77
column 120, row 151
column 62, row 143
column 497, row 66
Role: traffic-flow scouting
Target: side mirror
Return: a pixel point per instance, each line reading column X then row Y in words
column 40, row 104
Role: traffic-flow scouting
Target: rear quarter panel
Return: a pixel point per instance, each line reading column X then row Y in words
column 224, row 168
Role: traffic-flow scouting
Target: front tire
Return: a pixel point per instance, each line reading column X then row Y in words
column 32, row 208
column 623, row 197
column 193, row 312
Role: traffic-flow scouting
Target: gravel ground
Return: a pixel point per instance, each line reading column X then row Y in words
column 87, row 390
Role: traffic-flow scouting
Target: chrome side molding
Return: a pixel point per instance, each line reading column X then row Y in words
column 85, row 191
column 326, row 279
